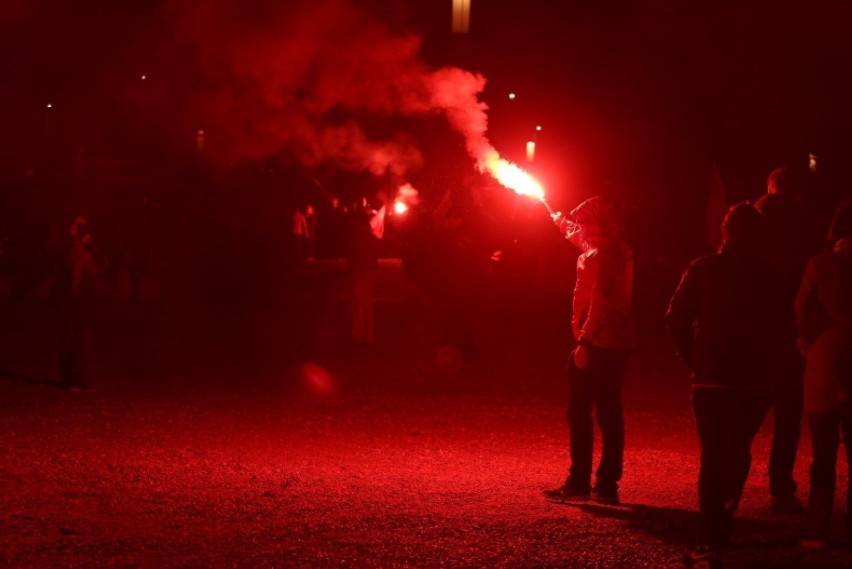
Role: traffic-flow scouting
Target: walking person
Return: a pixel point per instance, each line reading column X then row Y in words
column 824, row 316
column 363, row 265
column 791, row 239
column 77, row 304
column 603, row 330
column 724, row 319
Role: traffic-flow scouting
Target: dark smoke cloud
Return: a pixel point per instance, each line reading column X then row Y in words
column 313, row 78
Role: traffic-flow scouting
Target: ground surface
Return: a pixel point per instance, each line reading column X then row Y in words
column 207, row 444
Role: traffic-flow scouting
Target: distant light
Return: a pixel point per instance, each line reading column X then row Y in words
column 511, row 95
column 812, row 162
column 538, row 128
column 400, row 207
column 530, row 151
column 49, row 106
column 461, row 16
column 144, row 77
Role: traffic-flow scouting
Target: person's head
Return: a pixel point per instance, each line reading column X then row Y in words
column 841, row 222
column 743, row 225
column 79, row 228
column 785, row 182
column 595, row 219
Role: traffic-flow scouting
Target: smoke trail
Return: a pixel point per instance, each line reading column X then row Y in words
column 321, row 79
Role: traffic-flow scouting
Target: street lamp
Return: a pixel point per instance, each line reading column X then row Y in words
column 461, row 16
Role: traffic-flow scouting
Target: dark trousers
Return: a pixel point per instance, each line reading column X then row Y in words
column 598, row 388
column 825, row 433
column 727, row 422
column 76, row 319
column 787, row 407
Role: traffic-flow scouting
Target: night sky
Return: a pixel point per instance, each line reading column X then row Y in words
column 635, row 98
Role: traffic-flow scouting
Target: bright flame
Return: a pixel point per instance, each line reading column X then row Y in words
column 512, row 177
column 406, row 196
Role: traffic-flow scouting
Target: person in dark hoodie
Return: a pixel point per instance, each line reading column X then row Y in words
column 791, row 238
column 76, row 299
column 725, row 320
column 603, row 330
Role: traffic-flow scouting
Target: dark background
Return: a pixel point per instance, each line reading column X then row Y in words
column 637, row 100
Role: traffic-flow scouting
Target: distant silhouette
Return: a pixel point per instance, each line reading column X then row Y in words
column 77, row 303
column 725, row 319
column 603, row 331
column 331, row 231
column 310, row 231
column 363, row 263
column 824, row 316
column 300, row 235
column 791, row 238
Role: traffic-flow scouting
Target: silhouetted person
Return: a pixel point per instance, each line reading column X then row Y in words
column 791, row 239
column 824, row 316
column 332, row 230
column 363, row 265
column 459, row 275
column 724, row 320
column 76, row 298
column 603, row 331
column 310, row 232
column 300, row 234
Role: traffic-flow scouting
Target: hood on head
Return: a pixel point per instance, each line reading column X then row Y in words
column 595, row 216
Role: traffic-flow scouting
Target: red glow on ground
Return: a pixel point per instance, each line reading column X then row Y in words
column 317, row 378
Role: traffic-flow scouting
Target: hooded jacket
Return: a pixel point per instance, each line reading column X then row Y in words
column 604, row 288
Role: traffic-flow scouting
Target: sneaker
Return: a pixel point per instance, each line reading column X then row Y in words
column 787, row 505
column 704, row 557
column 568, row 493
column 604, row 495
column 81, row 387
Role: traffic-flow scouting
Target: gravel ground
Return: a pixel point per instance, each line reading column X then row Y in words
column 209, row 443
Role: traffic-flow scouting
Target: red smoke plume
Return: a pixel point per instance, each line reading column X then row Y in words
column 307, row 77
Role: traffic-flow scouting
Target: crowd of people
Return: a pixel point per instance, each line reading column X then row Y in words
column 764, row 323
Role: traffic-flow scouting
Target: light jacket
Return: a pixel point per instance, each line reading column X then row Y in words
column 824, row 317
column 604, row 288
